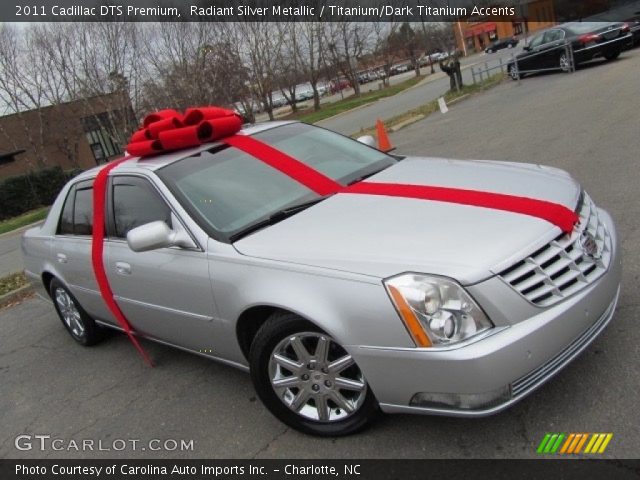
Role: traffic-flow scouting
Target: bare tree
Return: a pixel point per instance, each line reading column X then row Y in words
column 262, row 50
column 311, row 53
column 346, row 42
column 385, row 51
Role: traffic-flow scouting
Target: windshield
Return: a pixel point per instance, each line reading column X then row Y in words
column 227, row 190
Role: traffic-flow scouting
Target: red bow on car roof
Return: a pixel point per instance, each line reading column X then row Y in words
column 168, row 130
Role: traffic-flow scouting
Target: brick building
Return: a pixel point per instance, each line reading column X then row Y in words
column 78, row 134
column 473, row 35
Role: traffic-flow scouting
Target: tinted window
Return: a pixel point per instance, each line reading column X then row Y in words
column 553, row 36
column 83, row 212
column 536, row 41
column 135, row 202
column 65, row 226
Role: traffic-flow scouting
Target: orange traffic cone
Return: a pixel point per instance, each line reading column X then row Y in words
column 383, row 139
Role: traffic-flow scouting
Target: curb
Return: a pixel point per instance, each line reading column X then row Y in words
column 15, row 295
column 458, row 99
column 406, row 123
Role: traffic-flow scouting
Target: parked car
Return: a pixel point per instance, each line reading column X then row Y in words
column 397, row 69
column 500, row 44
column 588, row 40
column 339, row 304
column 340, row 84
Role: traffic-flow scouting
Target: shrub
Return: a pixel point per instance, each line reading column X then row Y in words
column 22, row 193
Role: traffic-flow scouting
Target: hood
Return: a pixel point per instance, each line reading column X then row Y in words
column 384, row 236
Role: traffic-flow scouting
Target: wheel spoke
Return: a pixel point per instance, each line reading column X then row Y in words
column 76, row 319
column 348, row 384
column 322, row 407
column 300, row 349
column 287, row 363
column 340, row 364
column 340, row 401
column 300, row 400
column 322, row 350
column 286, row 382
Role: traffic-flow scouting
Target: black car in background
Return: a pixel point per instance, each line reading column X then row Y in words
column 548, row 50
column 500, row 44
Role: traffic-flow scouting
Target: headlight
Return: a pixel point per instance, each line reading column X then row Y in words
column 435, row 310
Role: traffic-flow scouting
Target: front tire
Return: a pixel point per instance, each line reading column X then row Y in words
column 77, row 322
column 307, row 380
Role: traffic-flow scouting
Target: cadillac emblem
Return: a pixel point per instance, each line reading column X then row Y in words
column 589, row 245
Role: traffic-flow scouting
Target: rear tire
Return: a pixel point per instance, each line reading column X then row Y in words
column 322, row 393
column 612, row 55
column 82, row 328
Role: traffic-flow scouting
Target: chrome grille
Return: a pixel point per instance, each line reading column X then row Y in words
column 561, row 268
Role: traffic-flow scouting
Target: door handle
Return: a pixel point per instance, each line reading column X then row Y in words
column 123, row 268
column 62, row 258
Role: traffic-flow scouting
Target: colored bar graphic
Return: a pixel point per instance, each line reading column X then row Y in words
column 581, row 443
column 607, row 439
column 567, row 442
column 573, row 443
column 543, row 443
column 558, row 442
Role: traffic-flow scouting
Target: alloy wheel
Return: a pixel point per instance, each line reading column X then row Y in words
column 565, row 65
column 69, row 312
column 316, row 378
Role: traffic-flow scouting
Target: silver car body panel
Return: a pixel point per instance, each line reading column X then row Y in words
column 327, row 264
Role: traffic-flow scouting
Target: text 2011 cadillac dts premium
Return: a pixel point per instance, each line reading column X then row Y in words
column 347, row 280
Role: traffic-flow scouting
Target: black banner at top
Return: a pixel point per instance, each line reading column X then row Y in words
column 315, row 10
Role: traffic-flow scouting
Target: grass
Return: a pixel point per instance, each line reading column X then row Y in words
column 432, row 106
column 12, row 282
column 308, row 115
column 24, row 219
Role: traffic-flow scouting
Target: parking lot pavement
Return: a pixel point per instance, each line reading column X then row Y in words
column 585, row 122
column 10, row 256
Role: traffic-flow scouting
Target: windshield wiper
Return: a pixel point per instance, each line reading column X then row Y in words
column 275, row 218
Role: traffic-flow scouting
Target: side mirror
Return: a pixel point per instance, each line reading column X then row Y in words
column 155, row 235
column 367, row 140
column 526, row 48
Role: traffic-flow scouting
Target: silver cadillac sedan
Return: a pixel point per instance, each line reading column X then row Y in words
column 339, row 305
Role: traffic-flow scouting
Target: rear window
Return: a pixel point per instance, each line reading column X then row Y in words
column 83, row 212
column 77, row 213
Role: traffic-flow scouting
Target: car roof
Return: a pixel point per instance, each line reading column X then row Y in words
column 162, row 160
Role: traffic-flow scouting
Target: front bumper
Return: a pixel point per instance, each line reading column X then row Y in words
column 517, row 358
